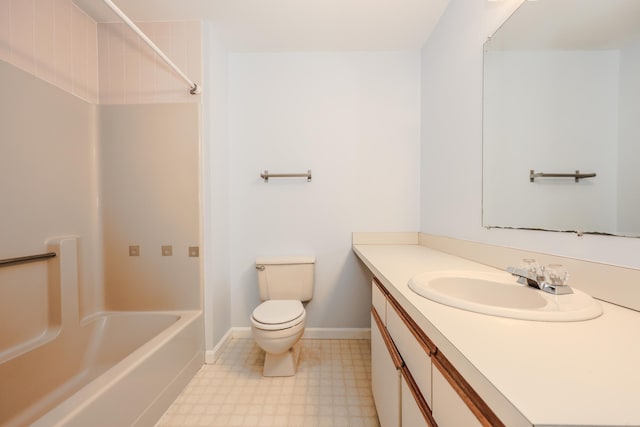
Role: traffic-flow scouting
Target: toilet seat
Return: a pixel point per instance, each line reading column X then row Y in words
column 273, row 315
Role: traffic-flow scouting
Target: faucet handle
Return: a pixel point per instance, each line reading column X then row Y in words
column 556, row 275
column 533, row 267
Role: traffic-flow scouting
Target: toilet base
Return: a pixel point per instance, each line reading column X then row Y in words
column 283, row 364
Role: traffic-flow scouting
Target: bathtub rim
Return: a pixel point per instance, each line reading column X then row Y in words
column 105, row 313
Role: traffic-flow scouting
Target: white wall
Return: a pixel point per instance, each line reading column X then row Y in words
column 214, row 159
column 353, row 119
column 452, row 142
column 554, row 112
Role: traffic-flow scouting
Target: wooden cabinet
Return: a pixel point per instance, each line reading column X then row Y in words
column 414, row 384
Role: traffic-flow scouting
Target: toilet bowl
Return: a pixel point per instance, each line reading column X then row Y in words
column 277, row 326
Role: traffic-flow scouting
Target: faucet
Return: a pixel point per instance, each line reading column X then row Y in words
column 536, row 279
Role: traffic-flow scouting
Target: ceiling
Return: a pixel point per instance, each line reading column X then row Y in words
column 293, row 25
column 570, row 25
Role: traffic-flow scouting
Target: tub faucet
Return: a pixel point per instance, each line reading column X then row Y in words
column 538, row 281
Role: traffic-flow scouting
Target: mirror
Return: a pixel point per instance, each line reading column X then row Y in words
column 562, row 94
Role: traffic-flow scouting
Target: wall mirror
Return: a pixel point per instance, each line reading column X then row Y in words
column 561, row 95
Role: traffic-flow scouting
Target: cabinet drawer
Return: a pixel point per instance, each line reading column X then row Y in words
column 379, row 301
column 385, row 375
column 414, row 353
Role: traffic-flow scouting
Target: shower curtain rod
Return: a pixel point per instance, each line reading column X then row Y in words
column 195, row 89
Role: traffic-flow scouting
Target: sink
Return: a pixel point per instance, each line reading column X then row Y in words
column 498, row 294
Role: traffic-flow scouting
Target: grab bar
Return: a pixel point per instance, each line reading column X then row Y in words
column 266, row 175
column 578, row 176
column 30, row 258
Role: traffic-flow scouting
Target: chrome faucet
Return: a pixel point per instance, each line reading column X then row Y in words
column 537, row 279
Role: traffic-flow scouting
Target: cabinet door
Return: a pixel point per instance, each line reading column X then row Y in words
column 414, row 410
column 385, row 375
column 411, row 415
column 449, row 410
column 414, row 354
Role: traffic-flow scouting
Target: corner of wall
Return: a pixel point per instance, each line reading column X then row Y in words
column 214, row 191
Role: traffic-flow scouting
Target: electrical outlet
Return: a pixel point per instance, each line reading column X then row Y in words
column 167, row 250
column 194, row 251
column 134, row 250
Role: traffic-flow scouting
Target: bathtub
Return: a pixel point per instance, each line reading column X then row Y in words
column 111, row 369
column 118, row 369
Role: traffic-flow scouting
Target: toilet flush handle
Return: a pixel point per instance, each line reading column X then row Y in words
column 260, row 267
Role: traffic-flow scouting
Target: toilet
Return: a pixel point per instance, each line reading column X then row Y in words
column 277, row 324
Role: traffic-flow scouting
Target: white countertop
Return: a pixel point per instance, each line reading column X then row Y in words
column 530, row 373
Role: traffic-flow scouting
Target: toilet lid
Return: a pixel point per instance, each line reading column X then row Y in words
column 277, row 311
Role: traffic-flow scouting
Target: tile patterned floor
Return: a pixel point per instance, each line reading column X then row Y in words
column 332, row 387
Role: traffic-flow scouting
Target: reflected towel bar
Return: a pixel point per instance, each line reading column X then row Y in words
column 21, row 260
column 266, row 175
column 577, row 176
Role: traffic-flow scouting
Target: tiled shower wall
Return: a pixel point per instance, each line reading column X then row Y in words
column 132, row 73
column 53, row 40
column 100, row 63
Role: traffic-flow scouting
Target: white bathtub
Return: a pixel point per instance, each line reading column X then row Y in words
column 111, row 369
column 114, row 369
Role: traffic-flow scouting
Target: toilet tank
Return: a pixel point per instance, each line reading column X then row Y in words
column 286, row 278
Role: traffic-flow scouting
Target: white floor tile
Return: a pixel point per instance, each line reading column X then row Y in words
column 330, row 388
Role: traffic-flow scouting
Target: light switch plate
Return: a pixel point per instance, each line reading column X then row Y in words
column 167, row 250
column 134, row 250
column 194, row 251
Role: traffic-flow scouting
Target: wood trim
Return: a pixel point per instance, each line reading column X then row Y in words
column 418, row 397
column 388, row 342
column 474, row 402
column 422, row 338
column 380, row 286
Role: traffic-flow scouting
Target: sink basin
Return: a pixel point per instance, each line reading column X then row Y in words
column 498, row 294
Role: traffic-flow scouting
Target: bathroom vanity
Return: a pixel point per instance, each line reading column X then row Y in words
column 433, row 364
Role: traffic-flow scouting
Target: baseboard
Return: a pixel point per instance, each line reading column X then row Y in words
column 211, row 356
column 310, row 333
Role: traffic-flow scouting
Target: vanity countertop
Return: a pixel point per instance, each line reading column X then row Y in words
column 530, row 373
